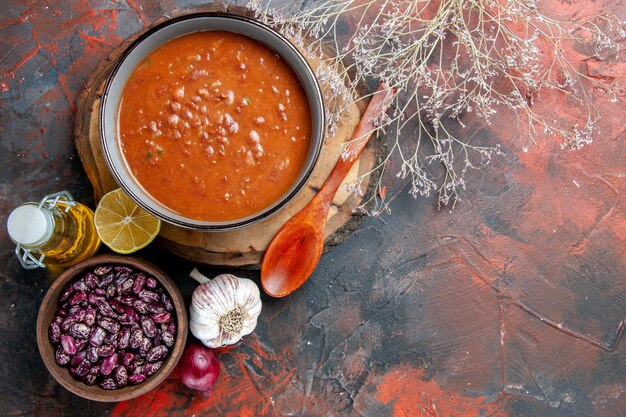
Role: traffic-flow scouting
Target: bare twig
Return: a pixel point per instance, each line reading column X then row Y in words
column 449, row 59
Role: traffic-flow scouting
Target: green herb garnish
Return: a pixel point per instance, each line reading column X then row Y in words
column 247, row 101
column 148, row 155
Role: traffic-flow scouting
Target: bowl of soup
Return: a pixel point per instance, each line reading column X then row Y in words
column 211, row 121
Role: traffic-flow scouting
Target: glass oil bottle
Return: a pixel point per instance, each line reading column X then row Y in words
column 56, row 232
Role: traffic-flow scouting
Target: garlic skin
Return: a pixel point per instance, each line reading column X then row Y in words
column 223, row 309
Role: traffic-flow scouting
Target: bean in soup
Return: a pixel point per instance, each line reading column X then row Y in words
column 214, row 125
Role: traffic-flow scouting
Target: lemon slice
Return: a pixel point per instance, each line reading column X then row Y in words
column 122, row 225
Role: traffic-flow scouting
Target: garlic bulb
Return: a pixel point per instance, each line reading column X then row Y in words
column 223, row 309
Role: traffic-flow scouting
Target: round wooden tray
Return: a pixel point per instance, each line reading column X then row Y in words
column 242, row 247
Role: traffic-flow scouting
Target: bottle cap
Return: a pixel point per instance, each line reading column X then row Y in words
column 29, row 225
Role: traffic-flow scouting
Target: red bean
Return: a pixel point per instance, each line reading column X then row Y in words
column 92, row 375
column 171, row 327
column 149, row 329
column 109, row 325
column 80, row 314
column 94, row 299
column 66, row 294
column 81, row 344
column 123, row 338
column 105, row 351
column 83, row 368
column 151, row 368
column 120, row 277
column 168, row 339
column 151, row 283
column 105, row 308
column 79, row 331
column 132, row 367
column 157, row 353
column 127, row 299
column 125, row 319
column 135, row 379
column 104, row 281
column 126, row 287
column 68, row 344
column 128, row 358
column 140, row 280
column 97, row 335
column 135, row 339
column 108, row 384
column 54, row 333
column 78, row 298
column 111, row 339
column 111, row 289
column 90, row 316
column 141, row 306
column 91, row 281
column 155, row 308
column 80, row 285
column 161, row 317
column 67, row 323
column 167, row 303
column 78, row 358
column 102, row 270
column 92, row 354
column 120, row 376
column 149, row 296
column 108, row 364
column 61, row 357
column 132, row 314
column 117, row 306
column 156, row 340
column 145, row 346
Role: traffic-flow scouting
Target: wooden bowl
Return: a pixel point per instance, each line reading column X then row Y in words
column 48, row 309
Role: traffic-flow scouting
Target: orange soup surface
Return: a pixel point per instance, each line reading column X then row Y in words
column 214, row 125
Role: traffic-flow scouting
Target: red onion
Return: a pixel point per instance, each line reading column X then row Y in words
column 200, row 367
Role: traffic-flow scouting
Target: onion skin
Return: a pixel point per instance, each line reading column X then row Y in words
column 199, row 367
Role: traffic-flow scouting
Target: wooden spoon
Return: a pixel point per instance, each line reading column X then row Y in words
column 296, row 249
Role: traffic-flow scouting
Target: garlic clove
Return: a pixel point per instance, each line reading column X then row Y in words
column 207, row 330
column 230, row 339
column 213, row 343
column 248, row 327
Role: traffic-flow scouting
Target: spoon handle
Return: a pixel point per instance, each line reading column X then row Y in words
column 370, row 121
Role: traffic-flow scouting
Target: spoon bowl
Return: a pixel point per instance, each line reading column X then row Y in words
column 303, row 254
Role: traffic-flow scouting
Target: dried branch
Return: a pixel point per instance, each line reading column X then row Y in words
column 450, row 59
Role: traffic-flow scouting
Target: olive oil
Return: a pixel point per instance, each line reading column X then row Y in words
column 56, row 232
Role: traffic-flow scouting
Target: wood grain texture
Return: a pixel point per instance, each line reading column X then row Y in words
column 243, row 247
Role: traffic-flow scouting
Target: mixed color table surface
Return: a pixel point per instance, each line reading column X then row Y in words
column 512, row 304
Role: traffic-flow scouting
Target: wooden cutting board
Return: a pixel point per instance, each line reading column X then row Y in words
column 242, row 247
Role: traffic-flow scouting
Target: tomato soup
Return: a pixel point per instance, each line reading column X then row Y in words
column 214, row 125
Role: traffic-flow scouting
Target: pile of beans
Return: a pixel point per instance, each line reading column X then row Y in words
column 114, row 327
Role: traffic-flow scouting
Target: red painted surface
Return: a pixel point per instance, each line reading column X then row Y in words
column 239, row 392
column 409, row 395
